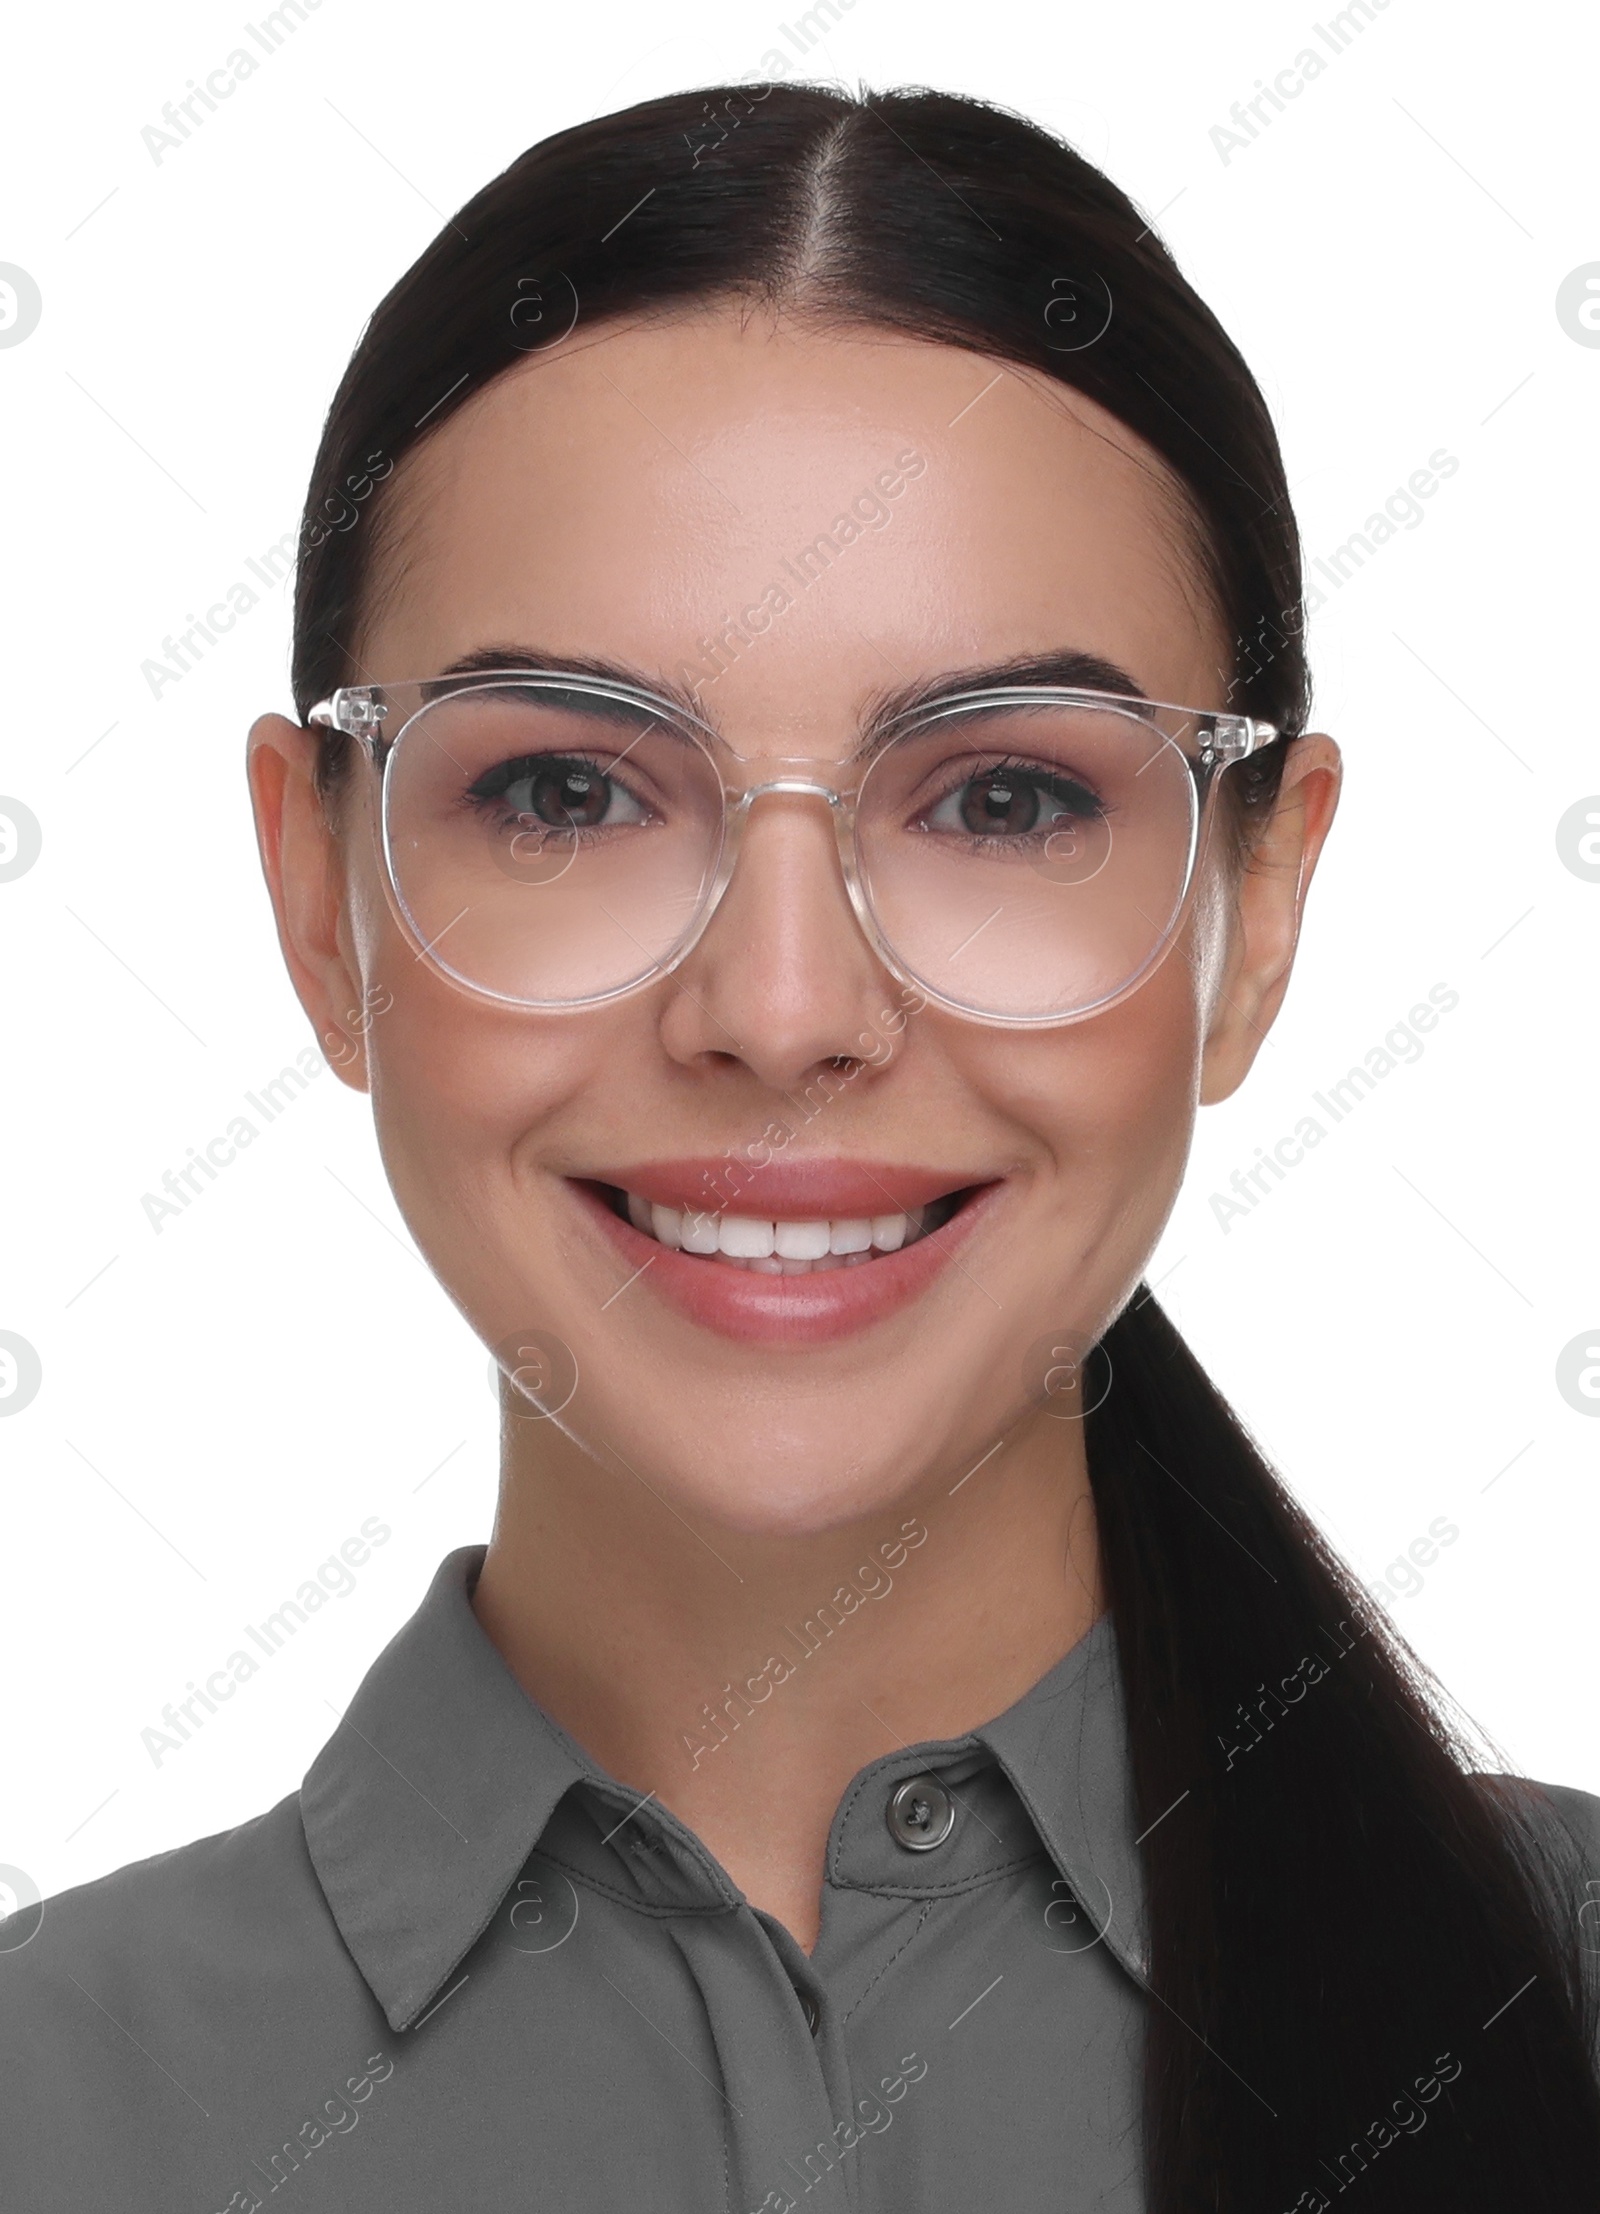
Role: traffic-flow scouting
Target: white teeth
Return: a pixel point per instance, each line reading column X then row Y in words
column 745, row 1238
column 778, row 1248
column 801, row 1241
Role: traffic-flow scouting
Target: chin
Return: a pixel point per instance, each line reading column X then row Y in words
column 783, row 1480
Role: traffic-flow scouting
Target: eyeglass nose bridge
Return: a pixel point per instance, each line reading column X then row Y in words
column 737, row 803
column 801, row 786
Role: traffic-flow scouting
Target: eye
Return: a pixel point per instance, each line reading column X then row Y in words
column 1011, row 800
column 561, row 791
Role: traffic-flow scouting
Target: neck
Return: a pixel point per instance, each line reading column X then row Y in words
column 728, row 1673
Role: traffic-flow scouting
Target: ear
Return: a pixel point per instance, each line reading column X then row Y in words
column 1264, row 923
column 304, row 865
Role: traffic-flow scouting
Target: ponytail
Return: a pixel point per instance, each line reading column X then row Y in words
column 1364, row 1958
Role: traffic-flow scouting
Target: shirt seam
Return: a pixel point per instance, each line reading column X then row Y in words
column 619, row 1897
column 907, row 1890
column 874, row 1981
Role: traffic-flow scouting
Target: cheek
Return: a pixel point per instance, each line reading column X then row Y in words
column 1114, row 1095
column 456, row 1085
column 455, row 1081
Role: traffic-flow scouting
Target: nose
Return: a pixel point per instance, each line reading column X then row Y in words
column 783, row 979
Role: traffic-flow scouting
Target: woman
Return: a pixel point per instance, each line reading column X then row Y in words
column 801, row 788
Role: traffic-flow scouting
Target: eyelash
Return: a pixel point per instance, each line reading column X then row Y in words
column 1046, row 781
column 1053, row 782
column 483, row 802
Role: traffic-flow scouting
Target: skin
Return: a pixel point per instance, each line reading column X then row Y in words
column 619, row 497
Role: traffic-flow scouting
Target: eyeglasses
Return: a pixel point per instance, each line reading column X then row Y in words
column 1020, row 855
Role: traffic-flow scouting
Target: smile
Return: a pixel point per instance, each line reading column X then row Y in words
column 772, row 1247
column 799, row 1253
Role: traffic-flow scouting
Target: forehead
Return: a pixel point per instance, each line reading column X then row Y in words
column 786, row 520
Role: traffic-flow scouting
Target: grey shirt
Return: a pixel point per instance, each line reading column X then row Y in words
column 463, row 1968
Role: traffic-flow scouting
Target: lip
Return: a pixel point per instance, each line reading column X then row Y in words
column 790, row 1311
column 790, row 1191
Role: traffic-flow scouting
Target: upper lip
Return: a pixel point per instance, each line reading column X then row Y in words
column 789, row 1191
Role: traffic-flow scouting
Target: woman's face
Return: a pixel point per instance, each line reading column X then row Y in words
column 620, row 500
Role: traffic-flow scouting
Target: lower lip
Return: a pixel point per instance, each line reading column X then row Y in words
column 784, row 1310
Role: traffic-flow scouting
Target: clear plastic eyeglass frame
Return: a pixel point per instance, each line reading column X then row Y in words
column 378, row 717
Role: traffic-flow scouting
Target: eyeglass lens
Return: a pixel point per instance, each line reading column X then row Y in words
column 1023, row 859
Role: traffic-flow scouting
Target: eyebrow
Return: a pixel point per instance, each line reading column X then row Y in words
column 486, row 660
column 1068, row 668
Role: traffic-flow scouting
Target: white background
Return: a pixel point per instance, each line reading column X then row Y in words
column 222, row 1404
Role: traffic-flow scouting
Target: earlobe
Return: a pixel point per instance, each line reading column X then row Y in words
column 303, row 864
column 347, row 1058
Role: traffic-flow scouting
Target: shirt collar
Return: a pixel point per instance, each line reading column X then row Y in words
column 1064, row 1746
column 430, row 1795
column 442, row 1776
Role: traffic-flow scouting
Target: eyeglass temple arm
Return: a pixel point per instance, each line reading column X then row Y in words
column 1232, row 737
column 351, row 710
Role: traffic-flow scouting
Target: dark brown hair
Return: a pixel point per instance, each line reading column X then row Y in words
column 1347, row 1910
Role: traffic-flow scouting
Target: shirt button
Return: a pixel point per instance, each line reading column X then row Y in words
column 810, row 2009
column 921, row 1814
